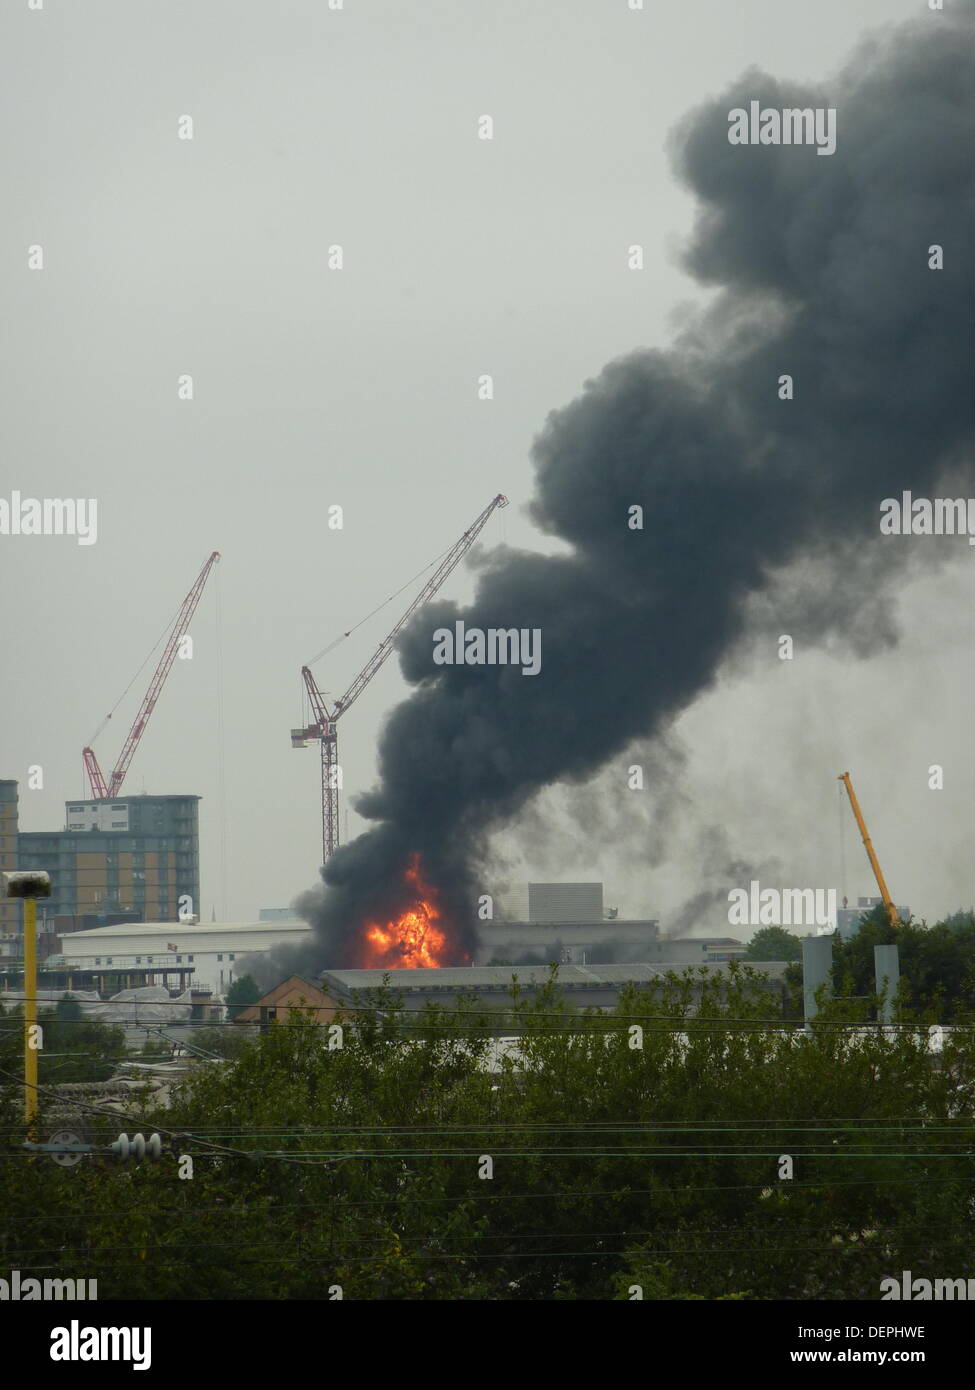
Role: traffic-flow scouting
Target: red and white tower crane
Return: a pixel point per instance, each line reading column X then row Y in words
column 324, row 720
column 100, row 789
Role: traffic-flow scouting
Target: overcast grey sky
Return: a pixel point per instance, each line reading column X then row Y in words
column 313, row 387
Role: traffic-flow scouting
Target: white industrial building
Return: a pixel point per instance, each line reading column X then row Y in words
column 217, row 951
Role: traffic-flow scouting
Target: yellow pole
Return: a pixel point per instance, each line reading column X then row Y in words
column 30, row 1010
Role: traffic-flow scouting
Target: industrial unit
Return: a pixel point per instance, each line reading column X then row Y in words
column 579, row 942
column 599, row 987
column 216, row 951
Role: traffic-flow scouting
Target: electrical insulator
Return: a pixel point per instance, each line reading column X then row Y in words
column 138, row 1146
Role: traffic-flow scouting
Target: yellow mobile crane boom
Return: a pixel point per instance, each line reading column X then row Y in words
column 895, row 921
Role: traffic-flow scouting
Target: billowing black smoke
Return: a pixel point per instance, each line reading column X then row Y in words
column 823, row 267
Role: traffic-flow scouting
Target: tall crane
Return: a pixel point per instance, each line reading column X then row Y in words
column 324, row 720
column 888, row 901
column 100, row 790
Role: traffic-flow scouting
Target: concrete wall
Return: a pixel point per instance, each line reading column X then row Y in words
column 565, row 902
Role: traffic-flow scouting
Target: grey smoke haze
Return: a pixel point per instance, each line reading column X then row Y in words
column 822, row 266
column 610, row 950
column 705, row 911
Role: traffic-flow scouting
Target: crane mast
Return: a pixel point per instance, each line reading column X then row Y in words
column 888, row 901
column 100, row 790
column 324, row 720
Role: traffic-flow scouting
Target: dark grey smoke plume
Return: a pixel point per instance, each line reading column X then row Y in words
column 822, row 264
column 705, row 912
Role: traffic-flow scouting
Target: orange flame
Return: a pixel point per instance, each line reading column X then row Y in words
column 412, row 940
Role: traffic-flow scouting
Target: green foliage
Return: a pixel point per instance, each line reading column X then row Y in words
column 244, row 990
column 75, row 1049
column 614, row 1165
column 937, row 964
column 773, row 943
column 68, row 1009
column 222, row 1042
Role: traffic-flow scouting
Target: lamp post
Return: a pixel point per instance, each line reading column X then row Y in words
column 30, row 887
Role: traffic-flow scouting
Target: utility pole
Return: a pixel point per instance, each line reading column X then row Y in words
column 30, row 887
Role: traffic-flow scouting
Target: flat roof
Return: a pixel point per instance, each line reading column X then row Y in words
column 182, row 928
column 607, row 922
column 71, row 969
column 499, row 977
column 133, row 796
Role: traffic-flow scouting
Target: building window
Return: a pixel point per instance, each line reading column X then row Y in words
column 219, row 957
column 98, row 960
column 232, row 956
column 190, row 959
column 138, row 960
column 179, row 960
column 108, row 960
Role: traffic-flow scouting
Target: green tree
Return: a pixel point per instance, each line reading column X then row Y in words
column 641, row 1146
column 773, row 943
column 244, row 990
column 937, row 964
column 74, row 1049
column 223, row 1041
column 68, row 1009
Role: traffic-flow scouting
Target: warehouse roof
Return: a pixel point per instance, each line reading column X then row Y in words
column 183, row 928
column 499, row 977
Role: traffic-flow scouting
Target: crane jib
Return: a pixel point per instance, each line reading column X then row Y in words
column 324, row 726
